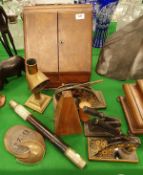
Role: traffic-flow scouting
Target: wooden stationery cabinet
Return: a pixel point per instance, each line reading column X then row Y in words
column 59, row 37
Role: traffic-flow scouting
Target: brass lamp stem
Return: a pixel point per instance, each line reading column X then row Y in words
column 37, row 95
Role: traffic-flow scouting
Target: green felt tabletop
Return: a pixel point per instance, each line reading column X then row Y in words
column 54, row 161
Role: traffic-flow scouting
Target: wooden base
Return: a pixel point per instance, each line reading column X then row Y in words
column 97, row 102
column 132, row 105
column 99, row 150
column 56, row 79
column 129, row 116
column 98, row 132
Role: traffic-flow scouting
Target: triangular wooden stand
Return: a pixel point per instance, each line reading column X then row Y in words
column 66, row 116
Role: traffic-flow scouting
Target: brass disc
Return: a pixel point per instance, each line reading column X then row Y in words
column 17, row 136
column 36, row 152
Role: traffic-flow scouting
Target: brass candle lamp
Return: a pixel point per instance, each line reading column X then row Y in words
column 36, row 80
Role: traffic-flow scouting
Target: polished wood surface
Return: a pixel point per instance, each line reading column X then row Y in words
column 40, row 30
column 133, row 106
column 60, row 38
column 74, row 41
column 66, row 116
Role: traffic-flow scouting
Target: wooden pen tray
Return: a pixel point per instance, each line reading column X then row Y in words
column 96, row 151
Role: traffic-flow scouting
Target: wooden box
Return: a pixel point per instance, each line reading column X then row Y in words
column 59, row 37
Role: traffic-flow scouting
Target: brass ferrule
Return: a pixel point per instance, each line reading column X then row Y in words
column 31, row 65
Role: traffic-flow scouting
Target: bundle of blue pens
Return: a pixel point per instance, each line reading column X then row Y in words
column 102, row 13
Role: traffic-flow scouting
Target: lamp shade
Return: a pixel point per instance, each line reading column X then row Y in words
column 36, row 79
